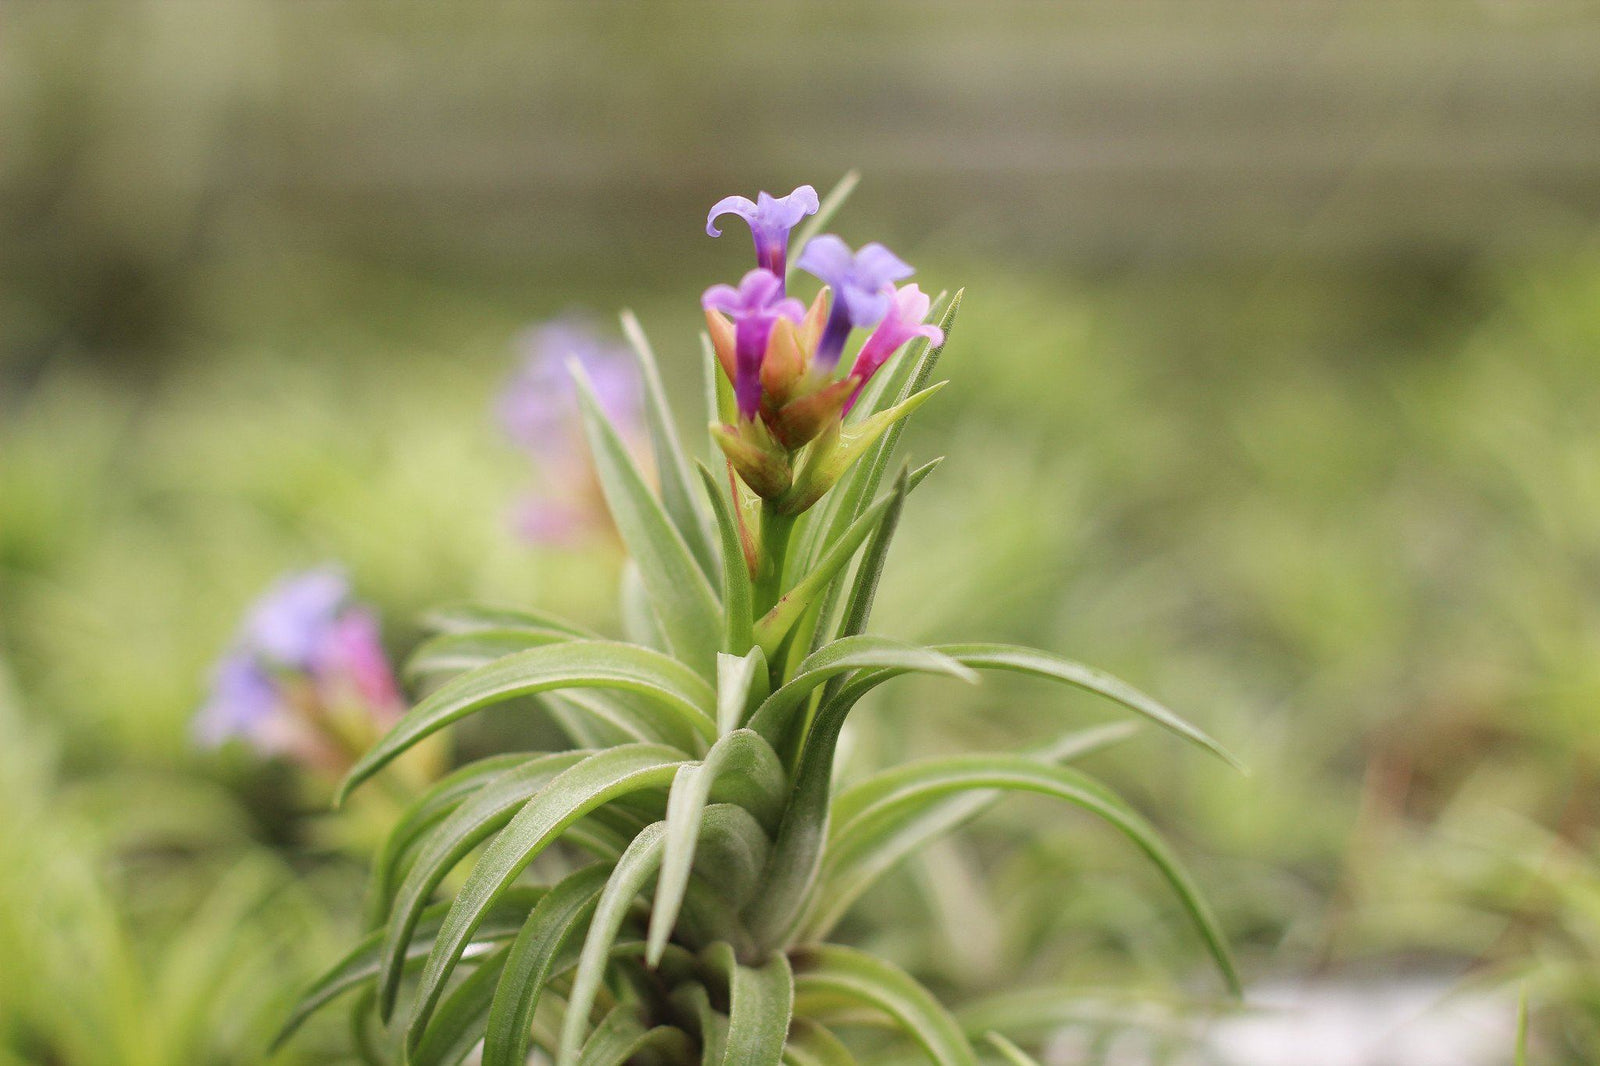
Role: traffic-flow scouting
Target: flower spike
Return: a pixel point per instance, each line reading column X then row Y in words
column 755, row 306
column 770, row 218
column 861, row 284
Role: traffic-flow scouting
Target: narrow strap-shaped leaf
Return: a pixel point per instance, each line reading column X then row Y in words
column 829, row 207
column 1043, row 664
column 425, row 812
column 603, row 718
column 760, row 1004
column 1009, row 1051
column 457, row 1026
column 677, row 691
column 470, row 617
column 935, row 778
column 454, row 653
column 672, row 465
column 684, row 602
column 812, row 1044
column 746, row 759
column 742, row 681
column 776, row 623
column 620, row 1036
column 489, row 808
column 862, row 652
column 361, row 965
column 637, row 865
column 865, row 587
column 736, row 592
column 849, row 872
column 595, row 781
column 531, row 961
column 693, row 1002
column 832, row 970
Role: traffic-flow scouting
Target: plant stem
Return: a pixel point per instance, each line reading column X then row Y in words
column 775, row 530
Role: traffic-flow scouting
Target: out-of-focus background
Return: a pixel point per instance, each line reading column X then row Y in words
column 1276, row 391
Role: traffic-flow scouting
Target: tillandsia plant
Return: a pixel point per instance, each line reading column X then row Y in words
column 666, row 890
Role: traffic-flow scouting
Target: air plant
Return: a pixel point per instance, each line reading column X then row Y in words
column 666, row 890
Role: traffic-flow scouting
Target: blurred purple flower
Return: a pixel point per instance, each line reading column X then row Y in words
column 904, row 320
column 755, row 307
column 539, row 409
column 861, row 284
column 305, row 657
column 770, row 219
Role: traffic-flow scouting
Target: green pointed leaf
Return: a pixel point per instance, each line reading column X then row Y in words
column 847, row 872
column 934, row 778
column 834, row 971
column 674, row 689
column 810, row 1044
column 361, row 966
column 637, row 865
column 849, row 497
column 586, row 786
column 741, row 758
column 639, row 622
column 672, row 465
column 693, row 1001
column 760, row 1003
column 620, row 1037
column 679, row 589
column 531, row 960
column 736, row 591
column 1043, row 664
column 824, row 467
column 457, row 1025
column 491, row 806
column 1009, row 1051
column 741, row 682
column 867, row 653
column 425, row 812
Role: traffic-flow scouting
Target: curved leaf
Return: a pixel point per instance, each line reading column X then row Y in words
column 747, row 762
column 672, row 465
column 620, row 1036
column 1043, row 664
column 810, row 1044
column 737, row 596
column 773, row 718
column 362, row 964
column 457, row 1025
column 1009, row 1051
column 455, row 653
column 831, row 970
column 849, row 872
column 530, row 962
column 674, row 689
column 471, row 617
column 597, row 780
column 684, row 602
column 935, row 778
column 740, row 682
column 489, row 808
column 760, row 1003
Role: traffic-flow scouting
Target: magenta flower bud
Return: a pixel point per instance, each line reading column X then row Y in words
column 904, row 320
column 755, row 306
column 770, row 218
column 861, row 288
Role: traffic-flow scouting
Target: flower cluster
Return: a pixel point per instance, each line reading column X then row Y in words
column 306, row 678
column 783, row 358
column 538, row 409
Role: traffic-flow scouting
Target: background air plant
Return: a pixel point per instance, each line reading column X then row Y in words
column 666, row 890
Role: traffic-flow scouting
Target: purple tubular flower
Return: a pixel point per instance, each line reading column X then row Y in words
column 861, row 284
column 303, row 652
column 903, row 321
column 755, row 306
column 538, row 406
column 770, row 218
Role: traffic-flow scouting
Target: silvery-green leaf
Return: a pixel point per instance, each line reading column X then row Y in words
column 760, row 1003
column 838, row 972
